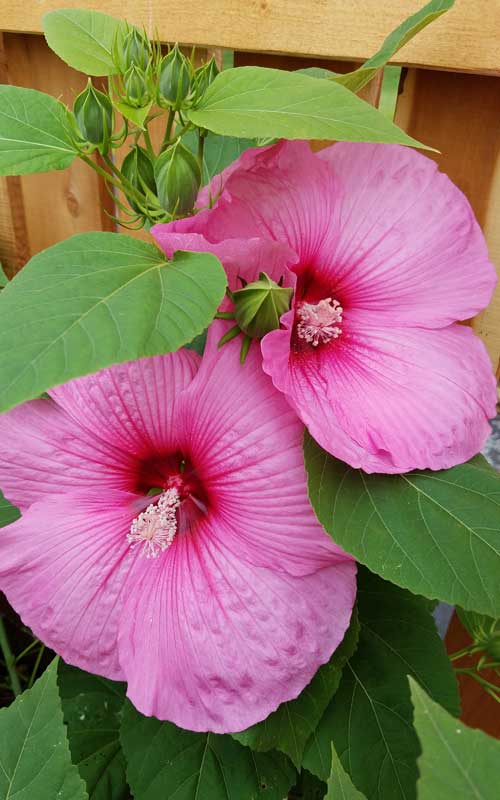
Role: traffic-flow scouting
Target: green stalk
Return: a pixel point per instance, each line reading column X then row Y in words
column 37, row 664
column 123, row 185
column 201, row 148
column 10, row 661
column 168, row 130
column 148, row 142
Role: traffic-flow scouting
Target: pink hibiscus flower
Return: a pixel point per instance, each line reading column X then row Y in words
column 217, row 599
column 385, row 256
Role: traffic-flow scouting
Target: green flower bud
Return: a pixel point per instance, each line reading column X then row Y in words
column 178, row 179
column 131, row 47
column 137, row 92
column 204, row 76
column 138, row 169
column 492, row 647
column 174, row 79
column 259, row 306
column 94, row 115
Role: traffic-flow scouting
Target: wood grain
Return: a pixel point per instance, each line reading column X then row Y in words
column 460, row 115
column 466, row 38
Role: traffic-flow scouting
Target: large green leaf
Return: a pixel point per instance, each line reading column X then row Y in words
column 369, row 719
column 260, row 102
column 340, row 786
column 98, row 299
column 92, row 708
column 394, row 42
column 8, row 512
column 169, row 762
column 33, row 132
column 457, row 763
column 82, row 38
column 292, row 724
column 34, row 753
column 436, row 533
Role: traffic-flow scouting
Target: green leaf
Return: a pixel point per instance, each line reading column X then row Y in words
column 169, row 762
column 92, row 708
column 340, row 786
column 289, row 727
column 369, row 720
column 389, row 91
column 135, row 115
column 82, row 38
column 33, row 132
column 219, row 151
column 436, row 533
column 8, row 512
column 34, row 753
column 394, row 42
column 3, row 278
column 260, row 102
column 98, row 299
column 457, row 763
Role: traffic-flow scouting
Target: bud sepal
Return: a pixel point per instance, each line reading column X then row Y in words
column 94, row 116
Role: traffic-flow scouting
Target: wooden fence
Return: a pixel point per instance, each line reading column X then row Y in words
column 449, row 98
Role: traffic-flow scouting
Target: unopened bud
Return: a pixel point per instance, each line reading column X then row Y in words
column 138, row 169
column 259, row 306
column 131, row 47
column 94, row 115
column 178, row 179
column 204, row 77
column 137, row 92
column 174, row 79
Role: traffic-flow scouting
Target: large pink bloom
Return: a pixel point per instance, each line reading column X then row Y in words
column 386, row 256
column 243, row 596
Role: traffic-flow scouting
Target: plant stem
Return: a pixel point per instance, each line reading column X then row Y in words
column 27, row 649
column 10, row 661
column 124, row 186
column 466, row 651
column 201, row 148
column 168, row 130
column 149, row 144
column 37, row 664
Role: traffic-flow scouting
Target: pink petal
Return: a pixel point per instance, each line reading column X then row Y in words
column 241, row 258
column 63, row 567
column 210, row 194
column 213, row 643
column 389, row 399
column 409, row 246
column 246, row 443
column 133, row 405
column 44, row 451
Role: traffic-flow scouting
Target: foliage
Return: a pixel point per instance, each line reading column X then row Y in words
column 435, row 533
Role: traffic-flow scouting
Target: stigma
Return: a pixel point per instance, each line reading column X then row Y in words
column 155, row 528
column 319, row 321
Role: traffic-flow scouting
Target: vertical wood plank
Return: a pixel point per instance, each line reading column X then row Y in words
column 459, row 115
column 56, row 204
column 14, row 245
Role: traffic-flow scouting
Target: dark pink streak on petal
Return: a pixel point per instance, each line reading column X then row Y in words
column 45, row 451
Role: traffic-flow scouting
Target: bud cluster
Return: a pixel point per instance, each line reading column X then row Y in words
column 146, row 84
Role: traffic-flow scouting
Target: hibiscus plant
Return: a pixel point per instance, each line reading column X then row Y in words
column 240, row 461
